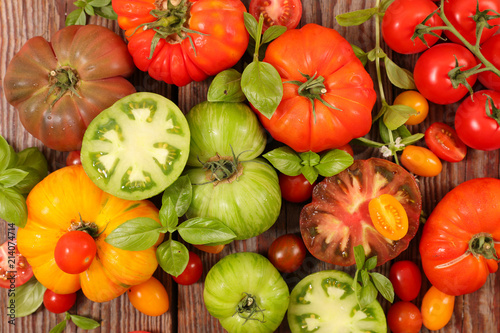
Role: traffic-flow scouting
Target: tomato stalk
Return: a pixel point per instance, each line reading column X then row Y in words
column 62, row 80
column 248, row 307
column 494, row 112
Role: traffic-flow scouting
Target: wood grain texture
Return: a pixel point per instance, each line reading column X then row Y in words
column 23, row 19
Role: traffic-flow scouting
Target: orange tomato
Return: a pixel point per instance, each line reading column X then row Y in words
column 210, row 248
column 415, row 100
column 437, row 309
column 388, row 216
column 150, row 297
column 421, row 161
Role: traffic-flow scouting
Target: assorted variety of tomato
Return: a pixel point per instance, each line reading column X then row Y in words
column 287, row 253
column 58, row 303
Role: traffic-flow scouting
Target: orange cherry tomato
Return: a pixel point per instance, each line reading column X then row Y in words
column 150, row 297
column 415, row 100
column 421, row 161
column 437, row 309
column 210, row 248
column 388, row 216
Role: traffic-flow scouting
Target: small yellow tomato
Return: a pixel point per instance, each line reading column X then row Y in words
column 415, row 100
column 150, row 297
column 388, row 216
column 437, row 309
column 421, row 161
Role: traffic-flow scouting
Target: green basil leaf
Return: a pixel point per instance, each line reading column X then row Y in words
column 173, row 257
column 107, row 12
column 34, row 159
column 384, row 132
column 368, row 294
column 89, row 10
column 367, row 142
column 13, row 207
column 359, row 256
column 12, row 177
column 74, row 17
column 310, row 173
column 397, row 115
column 409, row 140
column 370, row 263
column 82, row 18
column 226, row 87
column 59, row 328
column 27, row 298
column 6, row 153
column 360, row 54
column 262, row 86
column 251, row 24
column 403, row 131
column 180, row 193
column 137, row 234
column 400, row 77
column 384, row 4
column 84, row 322
column 355, row 18
column 383, row 285
column 272, row 33
column 27, row 183
column 285, row 160
column 205, row 230
column 310, row 158
column 80, row 3
column 333, row 162
column 382, row 111
column 365, row 277
column 99, row 3
column 168, row 216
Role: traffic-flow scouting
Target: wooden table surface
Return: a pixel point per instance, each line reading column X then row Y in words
column 23, row 19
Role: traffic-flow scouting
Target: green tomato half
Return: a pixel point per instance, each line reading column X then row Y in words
column 218, row 127
column 246, row 293
column 325, row 302
column 136, row 148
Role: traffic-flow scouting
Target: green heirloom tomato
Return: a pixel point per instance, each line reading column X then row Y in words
column 325, row 302
column 246, row 293
column 136, row 148
column 229, row 181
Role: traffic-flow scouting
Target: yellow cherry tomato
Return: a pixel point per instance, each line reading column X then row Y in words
column 415, row 100
column 388, row 216
column 421, row 161
column 437, row 309
column 150, row 297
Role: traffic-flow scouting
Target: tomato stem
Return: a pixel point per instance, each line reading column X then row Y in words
column 62, row 80
column 483, row 245
column 248, row 307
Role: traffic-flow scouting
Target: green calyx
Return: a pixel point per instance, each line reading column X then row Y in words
column 222, row 168
column 61, row 81
column 459, row 76
column 483, row 245
column 248, row 309
column 89, row 227
column 491, row 110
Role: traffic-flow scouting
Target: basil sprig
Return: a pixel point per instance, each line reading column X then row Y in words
column 26, row 298
column 141, row 233
column 310, row 164
column 82, row 322
column 19, row 173
column 101, row 8
column 367, row 284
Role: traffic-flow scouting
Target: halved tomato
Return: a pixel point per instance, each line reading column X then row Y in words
column 277, row 12
column 338, row 217
column 14, row 268
column 388, row 216
column 443, row 141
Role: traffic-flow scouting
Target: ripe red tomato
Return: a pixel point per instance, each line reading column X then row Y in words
column 404, row 317
column 150, row 297
column 295, row 188
column 14, row 268
column 460, row 13
column 347, row 148
column 421, row 161
column 443, row 141
column 437, row 309
column 75, row 251
column 277, row 12
column 58, row 303
column 193, row 271
column 490, row 50
column 400, row 20
column 406, row 279
column 287, row 252
column 474, row 126
column 73, row 158
column 432, row 68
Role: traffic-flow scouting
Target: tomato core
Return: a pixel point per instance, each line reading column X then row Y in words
column 248, row 309
column 61, row 80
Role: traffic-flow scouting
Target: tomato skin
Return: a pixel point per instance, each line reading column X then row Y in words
column 400, row 20
column 406, row 279
column 193, row 271
column 460, row 13
column 432, row 68
column 415, row 100
column 73, row 158
column 295, row 188
column 287, row 252
column 490, row 49
column 58, row 303
column 150, row 297
column 331, row 57
column 468, row 211
column 437, row 309
column 75, row 251
column 102, row 64
column 404, row 317
column 421, row 161
column 23, row 269
column 277, row 12
column 474, row 127
column 443, row 141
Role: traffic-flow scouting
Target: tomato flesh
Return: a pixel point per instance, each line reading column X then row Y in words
column 277, row 12
column 443, row 141
column 287, row 252
column 437, row 309
column 406, row 279
column 14, row 268
column 75, row 251
column 150, row 297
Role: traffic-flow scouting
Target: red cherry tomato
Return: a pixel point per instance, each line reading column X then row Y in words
column 404, row 317
column 406, row 279
column 287, row 253
column 11, row 277
column 490, row 50
column 150, row 297
column 58, row 303
column 295, row 188
column 443, row 141
column 277, row 12
column 193, row 271
column 75, row 251
column 73, row 158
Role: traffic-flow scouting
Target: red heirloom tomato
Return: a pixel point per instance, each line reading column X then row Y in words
column 490, row 50
column 462, row 236
column 295, row 188
column 191, row 40
column 287, row 252
column 323, row 54
column 399, row 23
column 277, row 12
column 404, row 317
column 406, row 279
column 431, row 72
column 58, row 303
column 474, row 126
column 338, row 217
column 443, row 141
column 461, row 14
column 18, row 275
column 58, row 87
